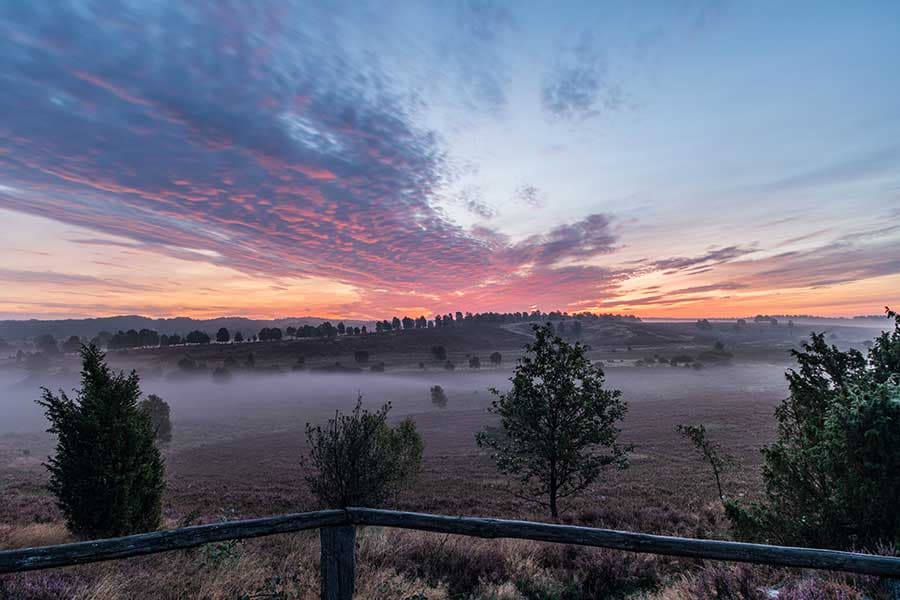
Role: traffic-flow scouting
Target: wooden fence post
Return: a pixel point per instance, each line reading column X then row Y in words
column 338, row 566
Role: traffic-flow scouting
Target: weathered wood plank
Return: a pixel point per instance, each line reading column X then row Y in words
column 809, row 558
column 338, row 565
column 150, row 543
column 30, row 559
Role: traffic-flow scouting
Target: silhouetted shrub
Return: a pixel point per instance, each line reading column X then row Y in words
column 438, row 396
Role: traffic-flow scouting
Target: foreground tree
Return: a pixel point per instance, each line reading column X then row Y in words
column 558, row 422
column 832, row 476
column 359, row 460
column 107, row 474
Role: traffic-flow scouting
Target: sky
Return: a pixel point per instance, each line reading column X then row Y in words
column 360, row 159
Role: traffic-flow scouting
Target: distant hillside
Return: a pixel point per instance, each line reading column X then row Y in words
column 63, row 328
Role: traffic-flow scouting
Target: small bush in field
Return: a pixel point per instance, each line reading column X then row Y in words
column 107, row 474
column 158, row 409
column 359, row 460
column 438, row 396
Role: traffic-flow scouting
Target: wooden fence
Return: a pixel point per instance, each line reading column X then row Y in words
column 338, row 544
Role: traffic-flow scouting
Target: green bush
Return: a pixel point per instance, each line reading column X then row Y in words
column 359, row 460
column 832, row 476
column 107, row 474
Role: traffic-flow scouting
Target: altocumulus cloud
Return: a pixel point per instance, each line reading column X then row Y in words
column 242, row 134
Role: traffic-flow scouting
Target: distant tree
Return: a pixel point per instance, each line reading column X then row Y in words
column 408, row 323
column 186, row 363
column 238, row 337
column 790, row 325
column 341, row 328
column 46, row 344
column 223, row 335
column 72, row 345
column 459, row 317
column 474, row 363
column 449, row 366
column 221, row 374
column 291, row 331
column 101, row 340
column 439, row 353
column 377, row 367
column 831, row 476
column 496, row 359
column 357, row 459
column 107, row 474
column 197, row 337
column 719, row 346
column 704, row 324
column 438, row 396
column 361, row 356
column 708, row 450
column 576, row 329
column 230, row 362
column 158, row 410
column 250, row 363
column 554, row 422
column 396, row 323
column 364, row 331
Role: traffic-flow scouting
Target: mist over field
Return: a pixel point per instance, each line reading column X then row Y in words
column 290, row 399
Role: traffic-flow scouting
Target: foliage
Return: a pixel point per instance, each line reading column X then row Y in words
column 46, row 344
column 708, row 450
column 554, row 420
column 158, row 409
column 357, row 459
column 438, row 396
column 70, row 346
column 439, row 353
column 361, row 356
column 196, row 337
column 496, row 359
column 831, row 476
column 107, row 474
column 223, row 335
column 474, row 363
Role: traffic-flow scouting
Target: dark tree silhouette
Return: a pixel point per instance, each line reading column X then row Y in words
column 223, row 335
column 106, row 474
column 359, row 460
column 159, row 412
column 496, row 359
column 558, row 422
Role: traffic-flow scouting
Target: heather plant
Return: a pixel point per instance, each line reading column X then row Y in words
column 107, row 474
column 831, row 476
column 357, row 459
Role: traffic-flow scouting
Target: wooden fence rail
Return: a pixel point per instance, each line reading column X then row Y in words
column 337, row 534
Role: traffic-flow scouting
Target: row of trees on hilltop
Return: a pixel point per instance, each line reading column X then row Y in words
column 566, row 325
column 459, row 319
